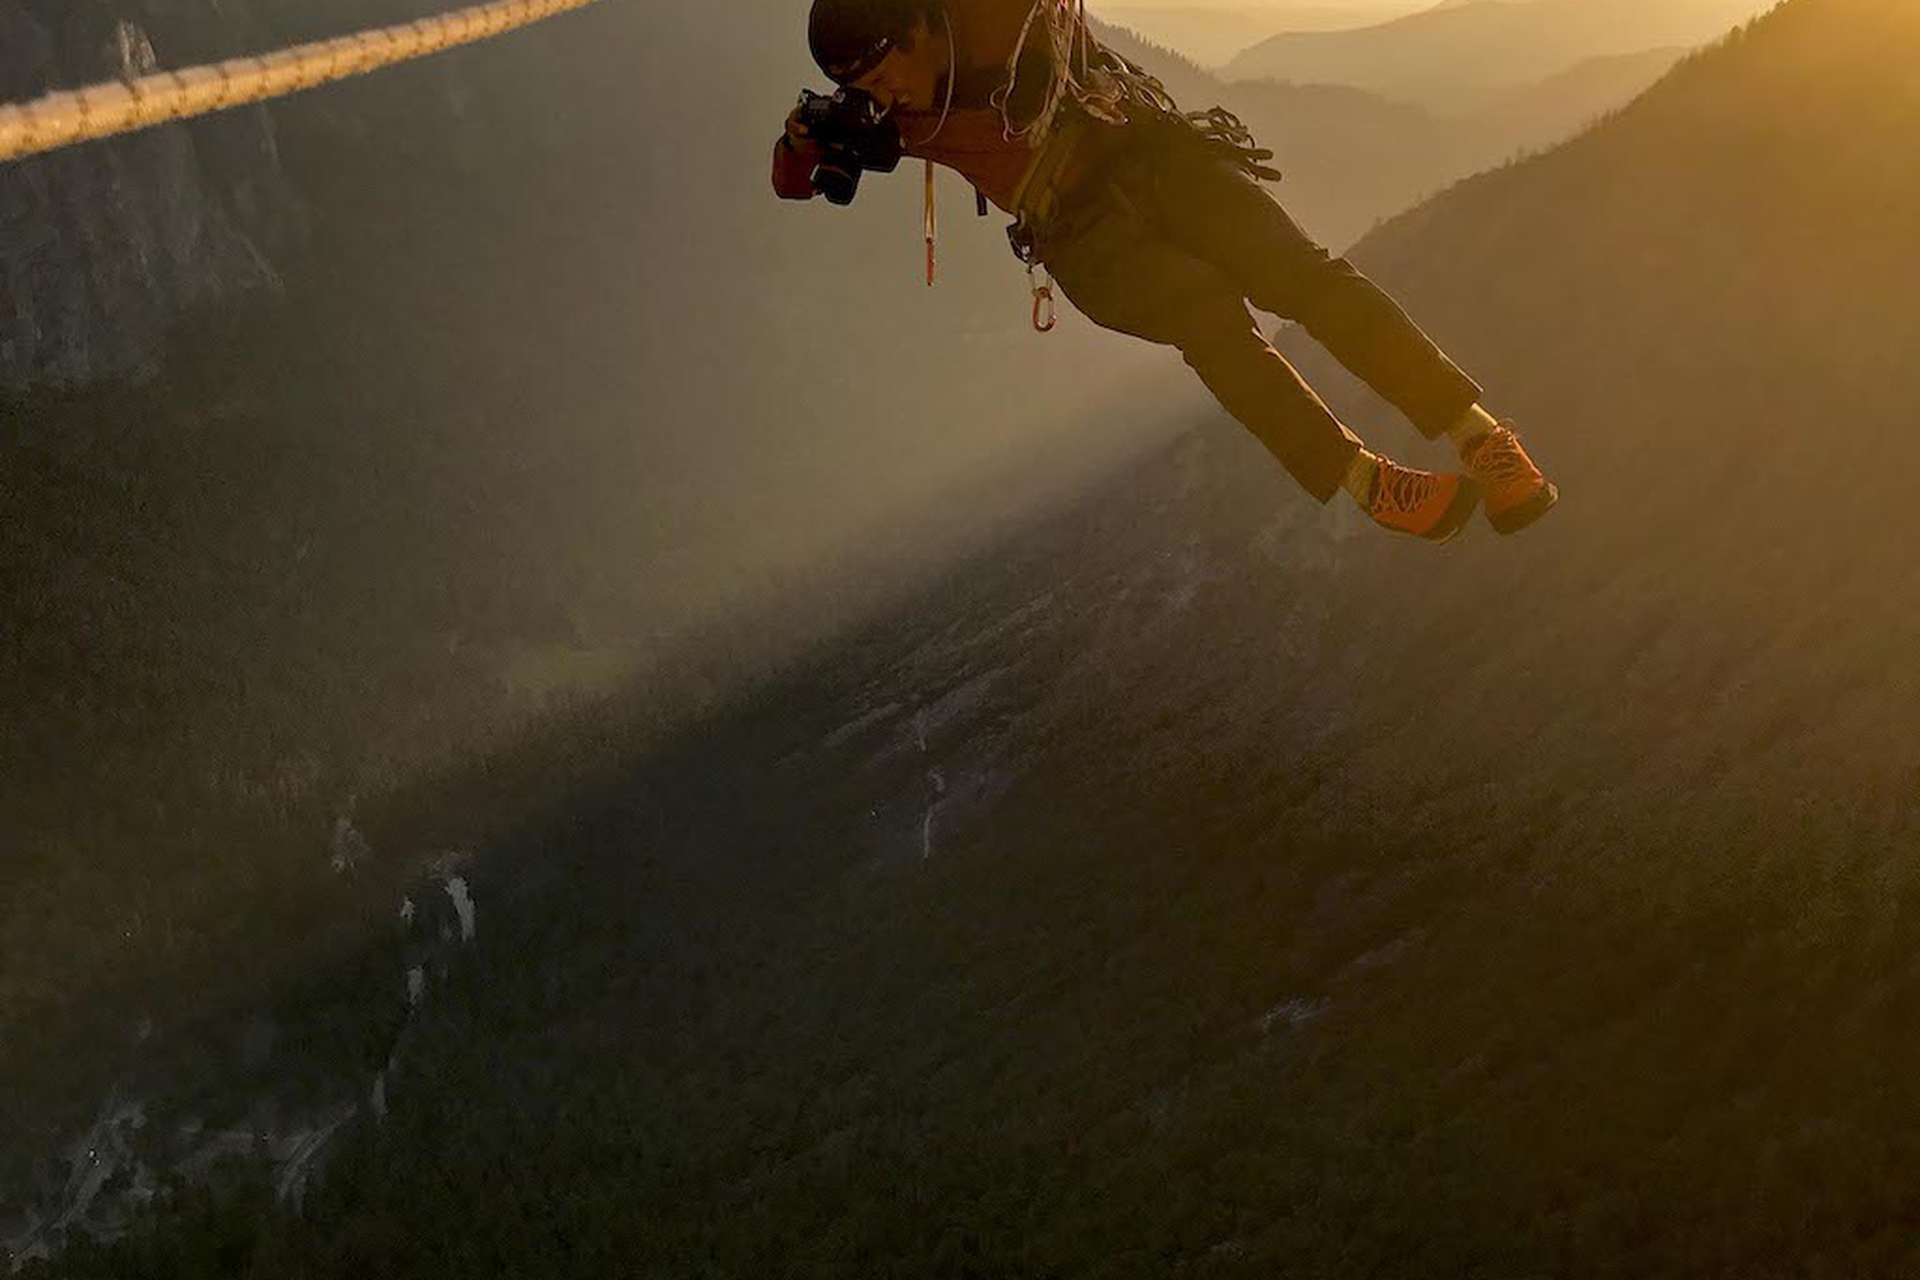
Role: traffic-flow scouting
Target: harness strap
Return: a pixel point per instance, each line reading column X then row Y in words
column 1037, row 198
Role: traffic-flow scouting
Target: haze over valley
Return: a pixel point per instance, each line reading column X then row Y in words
column 569, row 719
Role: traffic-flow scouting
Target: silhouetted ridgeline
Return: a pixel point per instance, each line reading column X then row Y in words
column 1454, row 55
column 1213, row 34
column 1205, row 887
column 1353, row 157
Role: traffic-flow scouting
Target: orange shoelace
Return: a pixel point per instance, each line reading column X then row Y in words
column 1403, row 489
column 1498, row 460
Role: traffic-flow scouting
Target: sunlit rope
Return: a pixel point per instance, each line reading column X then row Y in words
column 122, row 106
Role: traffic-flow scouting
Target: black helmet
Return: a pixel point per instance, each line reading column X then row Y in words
column 849, row 38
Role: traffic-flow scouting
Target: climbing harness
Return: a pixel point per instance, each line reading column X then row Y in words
column 1222, row 130
column 122, row 106
column 1088, row 86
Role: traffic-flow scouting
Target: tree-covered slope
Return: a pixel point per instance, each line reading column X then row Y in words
column 1199, row 886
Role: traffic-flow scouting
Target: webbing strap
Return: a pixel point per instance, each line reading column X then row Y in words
column 102, row 110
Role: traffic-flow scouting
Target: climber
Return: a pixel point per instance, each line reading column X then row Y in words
column 1154, row 223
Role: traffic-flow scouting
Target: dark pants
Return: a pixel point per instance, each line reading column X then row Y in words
column 1174, row 242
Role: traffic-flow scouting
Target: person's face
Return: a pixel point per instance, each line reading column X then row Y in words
column 909, row 76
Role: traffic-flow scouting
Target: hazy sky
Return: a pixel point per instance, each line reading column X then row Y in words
column 1212, row 31
column 1383, row 7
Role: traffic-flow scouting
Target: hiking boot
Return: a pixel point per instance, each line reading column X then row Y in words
column 1427, row 504
column 1517, row 494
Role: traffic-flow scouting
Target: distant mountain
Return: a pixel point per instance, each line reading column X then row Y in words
column 1353, row 157
column 1212, row 36
column 1555, row 108
column 1350, row 157
column 1453, row 56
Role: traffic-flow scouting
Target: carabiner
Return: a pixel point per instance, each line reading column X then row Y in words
column 1046, row 312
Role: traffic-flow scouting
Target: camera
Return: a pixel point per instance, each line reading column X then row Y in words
column 857, row 136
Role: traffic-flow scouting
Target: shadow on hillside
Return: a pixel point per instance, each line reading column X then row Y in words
column 1548, row 921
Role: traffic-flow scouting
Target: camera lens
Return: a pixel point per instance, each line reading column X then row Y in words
column 839, row 185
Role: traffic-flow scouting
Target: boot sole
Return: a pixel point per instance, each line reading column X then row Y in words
column 1513, row 521
column 1456, row 517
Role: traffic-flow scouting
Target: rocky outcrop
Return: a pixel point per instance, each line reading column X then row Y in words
column 104, row 247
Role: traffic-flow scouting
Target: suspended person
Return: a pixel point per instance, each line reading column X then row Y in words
column 1155, row 224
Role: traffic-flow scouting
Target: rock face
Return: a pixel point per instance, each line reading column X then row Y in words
column 104, row 247
column 266, row 1094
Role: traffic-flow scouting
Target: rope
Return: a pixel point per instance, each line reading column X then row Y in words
column 953, row 74
column 931, row 224
column 1073, row 75
column 115, row 107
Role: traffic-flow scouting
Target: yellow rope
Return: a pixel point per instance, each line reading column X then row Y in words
column 102, row 110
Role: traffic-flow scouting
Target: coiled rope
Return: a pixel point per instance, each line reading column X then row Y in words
column 1100, row 88
column 122, row 106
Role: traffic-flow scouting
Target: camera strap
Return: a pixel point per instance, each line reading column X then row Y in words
column 931, row 225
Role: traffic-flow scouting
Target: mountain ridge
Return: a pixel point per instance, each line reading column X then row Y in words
column 1451, row 57
column 1353, row 157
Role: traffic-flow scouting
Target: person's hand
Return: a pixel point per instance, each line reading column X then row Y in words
column 797, row 131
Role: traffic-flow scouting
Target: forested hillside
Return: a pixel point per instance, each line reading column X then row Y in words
column 1202, row 885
